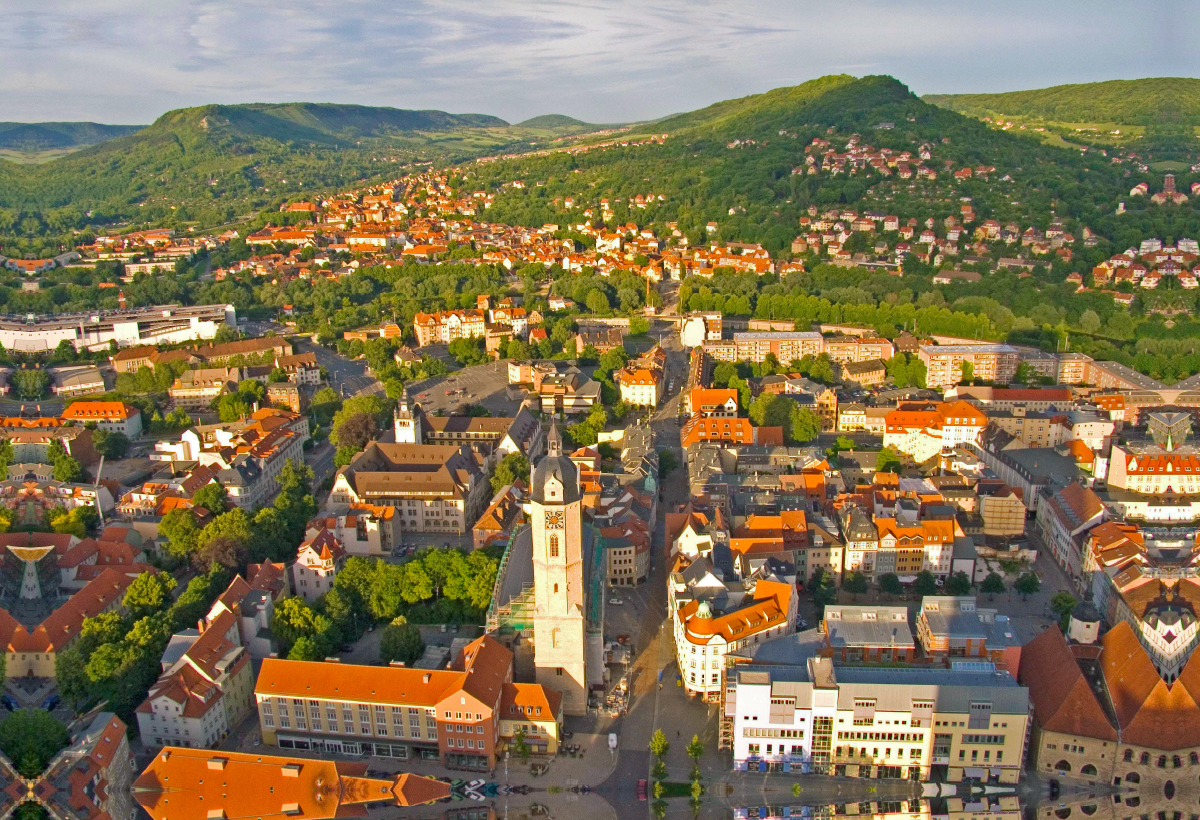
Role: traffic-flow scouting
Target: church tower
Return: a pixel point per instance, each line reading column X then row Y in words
column 407, row 422
column 560, row 593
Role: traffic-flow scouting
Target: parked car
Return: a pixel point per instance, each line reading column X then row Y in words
column 616, row 602
column 51, row 702
column 642, row 789
column 8, row 703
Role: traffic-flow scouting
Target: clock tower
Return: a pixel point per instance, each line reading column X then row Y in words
column 560, row 593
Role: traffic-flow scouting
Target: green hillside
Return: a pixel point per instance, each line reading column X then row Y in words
column 553, row 121
column 218, row 163
column 1156, row 101
column 733, row 163
column 44, row 136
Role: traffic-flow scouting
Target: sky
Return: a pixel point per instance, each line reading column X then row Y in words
column 128, row 61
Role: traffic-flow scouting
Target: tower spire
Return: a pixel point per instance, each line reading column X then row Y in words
column 554, row 440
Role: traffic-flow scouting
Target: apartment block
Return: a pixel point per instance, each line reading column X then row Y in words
column 815, row 716
column 444, row 327
column 459, row 715
column 988, row 362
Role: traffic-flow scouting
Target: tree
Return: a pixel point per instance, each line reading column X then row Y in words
column 771, row 410
column 233, row 524
column 31, row 738
column 377, row 406
column 855, row 583
column 305, row 648
column 805, row 425
column 325, row 403
column 401, row 641
column 666, row 462
column 77, row 522
column 889, row 583
column 638, row 325
column 658, row 744
column 111, row 445
column 148, row 593
column 224, row 551
column 510, row 468
column 1027, row 584
column 993, row 584
column 232, row 406
column 842, row 443
column 67, row 469
column 468, row 351
column 612, row 360
column 597, row 301
column 295, row 619
column 821, row 589
column 958, row 584
column 968, row 371
column 887, row 461
column 179, row 528
column 355, row 432
column 1089, row 321
column 925, row 584
column 295, row 502
column 1063, row 604
column 212, row 497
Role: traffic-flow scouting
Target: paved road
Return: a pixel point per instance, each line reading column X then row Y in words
column 320, row 459
column 347, row 376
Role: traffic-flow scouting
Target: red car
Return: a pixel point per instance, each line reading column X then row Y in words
column 642, row 789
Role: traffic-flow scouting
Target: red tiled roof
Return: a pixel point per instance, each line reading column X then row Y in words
column 1062, row 699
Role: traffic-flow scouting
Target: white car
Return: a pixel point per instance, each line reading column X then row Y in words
column 616, row 602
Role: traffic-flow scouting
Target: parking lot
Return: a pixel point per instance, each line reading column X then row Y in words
column 485, row 384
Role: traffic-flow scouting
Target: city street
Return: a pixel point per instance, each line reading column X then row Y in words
column 348, row 376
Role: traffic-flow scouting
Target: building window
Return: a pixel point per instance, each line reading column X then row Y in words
column 553, row 546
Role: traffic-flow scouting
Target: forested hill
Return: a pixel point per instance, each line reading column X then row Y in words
column 216, row 163
column 317, row 123
column 1155, row 101
column 742, row 165
column 44, row 136
column 554, row 121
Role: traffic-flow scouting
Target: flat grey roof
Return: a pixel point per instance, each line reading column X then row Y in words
column 850, row 626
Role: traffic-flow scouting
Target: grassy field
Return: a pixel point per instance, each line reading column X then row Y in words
column 36, row 157
column 1170, row 166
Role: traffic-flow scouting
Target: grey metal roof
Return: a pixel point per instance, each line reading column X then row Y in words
column 892, row 689
column 850, row 626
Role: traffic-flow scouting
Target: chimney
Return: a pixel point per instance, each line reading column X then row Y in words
column 426, row 677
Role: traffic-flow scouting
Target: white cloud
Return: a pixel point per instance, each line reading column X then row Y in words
column 130, row 60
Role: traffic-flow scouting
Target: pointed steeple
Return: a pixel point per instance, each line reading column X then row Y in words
column 554, row 441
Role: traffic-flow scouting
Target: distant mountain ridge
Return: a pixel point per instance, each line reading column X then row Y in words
column 553, row 121
column 1149, row 102
column 317, row 122
column 43, row 136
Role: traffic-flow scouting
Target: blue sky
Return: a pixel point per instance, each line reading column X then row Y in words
column 127, row 61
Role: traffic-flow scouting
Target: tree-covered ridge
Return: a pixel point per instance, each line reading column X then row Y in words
column 554, row 121
column 1152, row 101
column 40, row 136
column 740, row 164
column 325, row 123
column 216, row 164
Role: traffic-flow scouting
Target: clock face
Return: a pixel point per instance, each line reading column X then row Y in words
column 555, row 520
